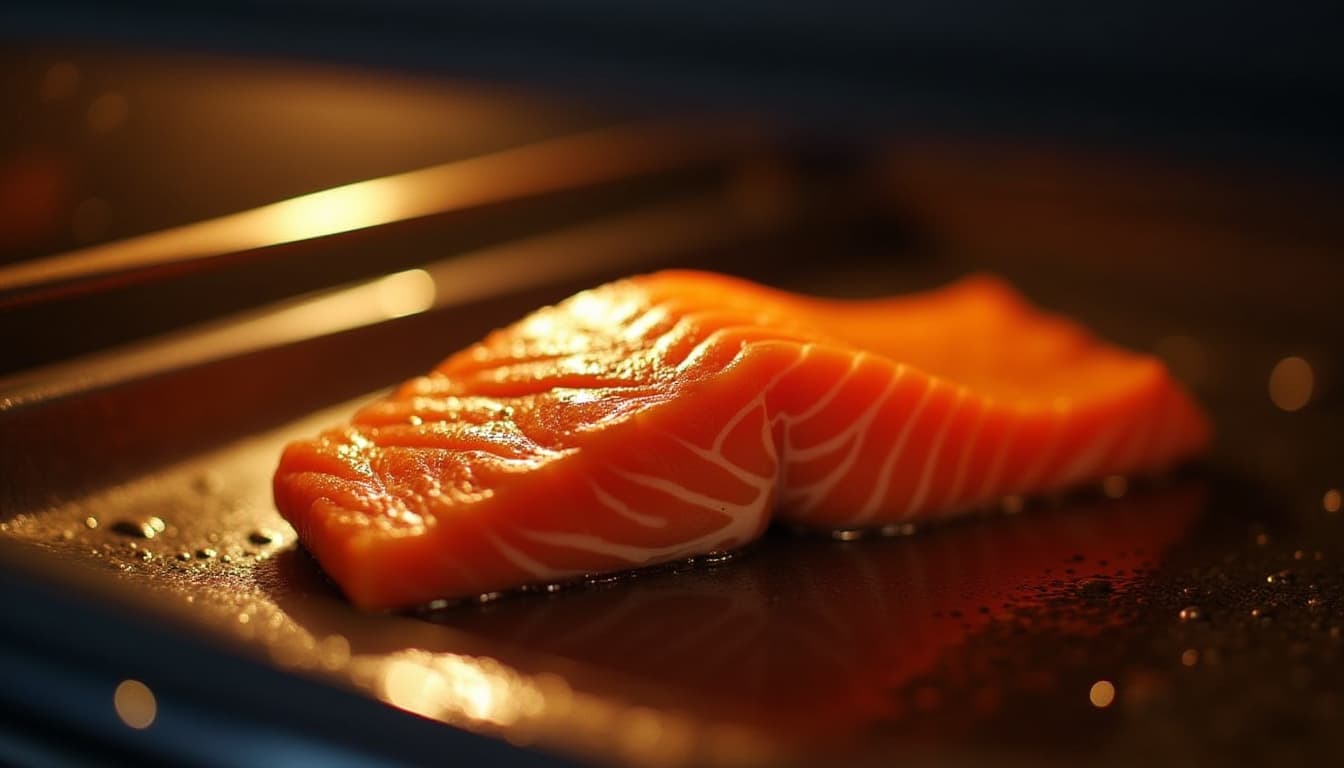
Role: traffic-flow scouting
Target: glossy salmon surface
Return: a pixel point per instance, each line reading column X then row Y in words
column 679, row 413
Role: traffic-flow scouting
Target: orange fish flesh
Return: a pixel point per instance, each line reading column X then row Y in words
column 677, row 414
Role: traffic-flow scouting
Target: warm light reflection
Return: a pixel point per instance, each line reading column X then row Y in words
column 1332, row 501
column 578, row 396
column 540, row 325
column 481, row 693
column 405, row 293
column 332, row 652
column 397, row 295
column 825, row 611
column 1102, row 694
column 412, row 687
column 332, row 211
column 452, row 687
column 1291, row 383
column 567, row 163
column 583, row 250
column 135, row 704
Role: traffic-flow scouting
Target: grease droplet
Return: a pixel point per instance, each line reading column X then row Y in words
column 899, row 529
column 140, row 530
column 1191, row 613
column 1282, row 577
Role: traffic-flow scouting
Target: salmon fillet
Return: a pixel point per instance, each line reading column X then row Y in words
column 676, row 414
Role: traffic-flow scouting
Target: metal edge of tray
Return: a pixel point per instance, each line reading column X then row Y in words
column 72, row 426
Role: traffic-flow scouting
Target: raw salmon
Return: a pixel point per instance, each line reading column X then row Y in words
column 675, row 414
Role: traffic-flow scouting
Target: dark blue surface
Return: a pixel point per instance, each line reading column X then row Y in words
column 63, row 653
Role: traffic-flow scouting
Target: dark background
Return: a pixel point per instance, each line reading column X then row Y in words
column 1169, row 174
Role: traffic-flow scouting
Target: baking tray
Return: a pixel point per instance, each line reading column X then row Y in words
column 217, row 393
column 1188, row 619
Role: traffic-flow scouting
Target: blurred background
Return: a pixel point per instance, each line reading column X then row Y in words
column 226, row 202
column 1166, row 141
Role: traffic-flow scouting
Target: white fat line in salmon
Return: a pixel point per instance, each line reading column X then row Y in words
column 815, row 493
column 931, row 460
column 519, row 559
column 629, row 553
column 880, row 487
column 682, row 493
column 799, row 455
column 989, row 487
column 967, row 451
column 719, row 460
column 758, row 402
column 624, row 510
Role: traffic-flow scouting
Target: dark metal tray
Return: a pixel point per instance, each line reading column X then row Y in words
column 1194, row 618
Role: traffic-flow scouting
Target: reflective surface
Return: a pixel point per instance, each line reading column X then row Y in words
column 533, row 170
column 798, row 644
column 213, row 185
column 108, row 144
column 1049, row 632
column 1195, row 620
